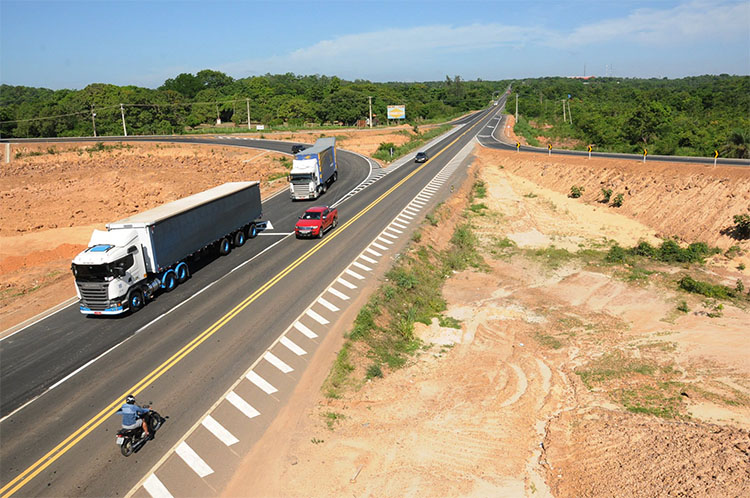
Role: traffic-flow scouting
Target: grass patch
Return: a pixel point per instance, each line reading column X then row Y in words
column 707, row 289
column 480, row 189
column 548, row 340
column 331, row 418
column 478, row 208
column 449, row 321
column 276, row 176
column 523, row 128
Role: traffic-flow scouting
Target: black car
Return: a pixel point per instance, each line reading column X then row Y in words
column 420, row 157
column 298, row 148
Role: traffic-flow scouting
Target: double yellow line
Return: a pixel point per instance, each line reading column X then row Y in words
column 32, row 471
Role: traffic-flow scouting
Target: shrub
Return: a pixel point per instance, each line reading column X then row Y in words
column 739, row 286
column 616, row 254
column 704, row 288
column 617, row 201
column 606, row 194
column 374, row 370
column 742, row 225
column 576, row 191
column 683, row 307
column 644, row 249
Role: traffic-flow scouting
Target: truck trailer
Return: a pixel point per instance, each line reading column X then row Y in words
column 313, row 170
column 124, row 266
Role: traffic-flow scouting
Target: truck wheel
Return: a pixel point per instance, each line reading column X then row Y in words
column 135, row 300
column 320, row 232
column 224, row 246
column 335, row 175
column 182, row 272
column 239, row 238
column 252, row 231
column 170, row 281
column 335, row 222
column 325, row 188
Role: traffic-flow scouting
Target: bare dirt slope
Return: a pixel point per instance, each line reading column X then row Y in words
column 538, row 393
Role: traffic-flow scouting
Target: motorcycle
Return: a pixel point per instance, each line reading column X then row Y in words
column 132, row 440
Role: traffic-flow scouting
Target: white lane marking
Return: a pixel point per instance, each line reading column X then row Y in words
column 325, row 302
column 394, row 229
column 418, row 203
column 292, row 346
column 338, row 294
column 382, row 248
column 354, row 274
column 317, row 317
column 259, row 381
column 411, row 211
column 408, row 217
column 219, row 431
column 242, row 405
column 346, row 283
column 385, row 241
column 400, row 225
column 276, row 233
column 372, row 251
column 193, row 460
column 387, row 234
column 304, row 330
column 361, row 266
column 276, row 361
column 368, row 259
column 155, row 488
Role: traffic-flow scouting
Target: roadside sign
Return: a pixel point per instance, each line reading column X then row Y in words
column 396, row 112
column 260, row 127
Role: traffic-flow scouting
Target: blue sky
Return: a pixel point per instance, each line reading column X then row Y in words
column 65, row 44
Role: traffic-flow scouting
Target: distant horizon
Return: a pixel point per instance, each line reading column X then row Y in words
column 68, row 44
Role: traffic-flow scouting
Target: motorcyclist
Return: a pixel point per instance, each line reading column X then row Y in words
column 131, row 415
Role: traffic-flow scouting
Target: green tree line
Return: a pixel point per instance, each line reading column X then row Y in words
column 189, row 100
column 689, row 116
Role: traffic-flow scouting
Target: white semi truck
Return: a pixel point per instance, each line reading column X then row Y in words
column 313, row 170
column 125, row 265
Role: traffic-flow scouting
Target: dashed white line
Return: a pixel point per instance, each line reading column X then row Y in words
column 259, row 381
column 155, row 488
column 338, row 294
column 291, row 346
column 394, row 229
column 408, row 217
column 191, row 458
column 219, row 431
column 243, row 405
column 385, row 241
column 346, row 283
column 328, row 304
column 386, row 234
column 354, row 274
column 361, row 266
column 368, row 259
column 382, row 248
column 399, row 224
column 372, row 251
column 317, row 317
column 304, row 330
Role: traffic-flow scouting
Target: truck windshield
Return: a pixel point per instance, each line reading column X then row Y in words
column 92, row 273
column 311, row 216
column 301, row 178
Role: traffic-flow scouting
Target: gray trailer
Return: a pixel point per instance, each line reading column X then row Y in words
column 124, row 266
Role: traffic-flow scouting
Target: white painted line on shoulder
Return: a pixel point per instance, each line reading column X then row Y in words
column 361, row 266
column 338, row 294
column 317, row 317
column 289, row 344
column 193, row 460
column 382, row 248
column 423, row 197
column 259, row 381
column 372, row 251
column 411, row 211
column 399, row 224
column 385, row 241
column 219, row 431
column 418, row 203
column 346, row 283
column 155, row 488
column 394, row 229
column 304, row 330
column 391, row 235
column 243, row 405
column 408, row 217
column 354, row 274
column 325, row 302
column 369, row 259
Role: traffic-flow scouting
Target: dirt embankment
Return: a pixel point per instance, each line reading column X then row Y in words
column 512, row 403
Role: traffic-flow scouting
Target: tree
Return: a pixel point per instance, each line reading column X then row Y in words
column 646, row 121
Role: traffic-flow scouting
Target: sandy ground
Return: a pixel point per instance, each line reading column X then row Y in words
column 498, row 408
column 51, row 202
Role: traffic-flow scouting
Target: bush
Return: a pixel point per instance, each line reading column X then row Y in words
column 742, row 225
column 683, row 307
column 606, row 194
column 644, row 249
column 704, row 288
column 616, row 254
column 617, row 201
column 576, row 191
column 374, row 370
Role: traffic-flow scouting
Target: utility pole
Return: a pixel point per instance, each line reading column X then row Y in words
column 248, row 113
column 570, row 114
column 93, row 119
column 564, row 117
column 370, row 99
column 122, row 113
column 516, row 107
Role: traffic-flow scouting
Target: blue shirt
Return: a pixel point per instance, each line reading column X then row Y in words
column 130, row 413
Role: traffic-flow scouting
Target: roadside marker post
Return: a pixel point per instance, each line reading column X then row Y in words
column 518, row 146
column 716, row 154
column 549, row 149
column 589, row 152
column 645, row 153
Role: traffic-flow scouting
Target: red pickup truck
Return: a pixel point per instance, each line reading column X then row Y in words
column 315, row 221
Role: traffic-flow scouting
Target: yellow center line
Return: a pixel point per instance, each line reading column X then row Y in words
column 32, row 471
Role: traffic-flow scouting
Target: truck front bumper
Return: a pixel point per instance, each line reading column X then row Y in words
column 115, row 309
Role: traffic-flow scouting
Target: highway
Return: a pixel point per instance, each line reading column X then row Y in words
column 188, row 348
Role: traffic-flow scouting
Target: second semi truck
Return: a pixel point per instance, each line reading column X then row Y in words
column 126, row 264
column 313, row 170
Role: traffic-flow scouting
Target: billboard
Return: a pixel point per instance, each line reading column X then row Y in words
column 396, row 112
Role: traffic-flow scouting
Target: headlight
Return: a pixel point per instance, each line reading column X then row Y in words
column 311, row 187
column 291, row 188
